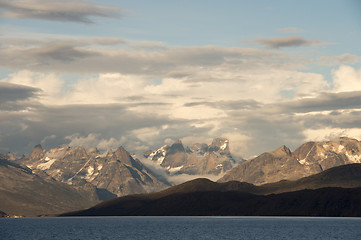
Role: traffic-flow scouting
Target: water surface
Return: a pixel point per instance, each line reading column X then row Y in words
column 181, row 228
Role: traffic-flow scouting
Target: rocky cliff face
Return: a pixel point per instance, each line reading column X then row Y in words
column 310, row 158
column 198, row 158
column 113, row 171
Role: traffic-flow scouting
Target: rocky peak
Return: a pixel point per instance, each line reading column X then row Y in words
column 58, row 152
column 197, row 158
column 77, row 153
column 38, row 146
column 157, row 155
column 37, row 152
column 282, row 151
column 175, row 157
column 123, row 156
column 121, row 152
column 310, row 158
column 219, row 144
column 114, row 172
column 177, row 146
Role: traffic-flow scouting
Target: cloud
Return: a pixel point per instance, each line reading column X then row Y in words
column 48, row 84
column 94, row 140
column 323, row 102
column 142, row 96
column 329, row 133
column 232, row 104
column 59, row 52
column 95, row 125
column 10, row 92
column 238, row 143
column 292, row 41
column 47, row 138
column 15, row 97
column 46, row 40
column 341, row 59
column 79, row 56
column 346, row 79
column 54, row 10
column 146, row 112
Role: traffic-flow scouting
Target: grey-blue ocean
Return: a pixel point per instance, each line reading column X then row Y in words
column 180, row 228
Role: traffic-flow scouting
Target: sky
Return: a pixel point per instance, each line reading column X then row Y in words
column 142, row 74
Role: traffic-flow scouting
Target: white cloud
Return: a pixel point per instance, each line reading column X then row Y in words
column 144, row 98
column 77, row 140
column 94, row 140
column 45, row 139
column 193, row 139
column 106, row 88
column 329, row 133
column 50, row 84
column 239, row 143
column 346, row 79
column 146, row 134
column 111, row 143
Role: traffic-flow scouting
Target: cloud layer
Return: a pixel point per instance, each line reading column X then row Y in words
column 292, row 41
column 144, row 94
column 54, row 10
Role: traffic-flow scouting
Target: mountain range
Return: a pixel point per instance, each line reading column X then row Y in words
column 66, row 178
column 115, row 172
column 202, row 197
column 282, row 164
column 63, row 178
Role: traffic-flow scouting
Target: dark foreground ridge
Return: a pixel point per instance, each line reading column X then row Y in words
column 2, row 214
column 202, row 197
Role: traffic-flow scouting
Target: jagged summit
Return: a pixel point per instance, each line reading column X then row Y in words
column 219, row 144
column 198, row 158
column 38, row 146
column 282, row 151
column 176, row 147
column 115, row 171
column 310, row 158
column 37, row 152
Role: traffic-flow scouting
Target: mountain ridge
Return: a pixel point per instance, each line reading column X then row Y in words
column 195, row 159
column 203, row 197
column 113, row 171
column 308, row 159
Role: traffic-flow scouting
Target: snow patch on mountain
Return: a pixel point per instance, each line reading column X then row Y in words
column 304, row 162
column 175, row 169
column 340, row 148
column 90, row 172
column 160, row 153
column 353, row 158
column 46, row 165
column 224, row 146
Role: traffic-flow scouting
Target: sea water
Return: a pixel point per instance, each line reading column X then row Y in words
column 180, row 228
